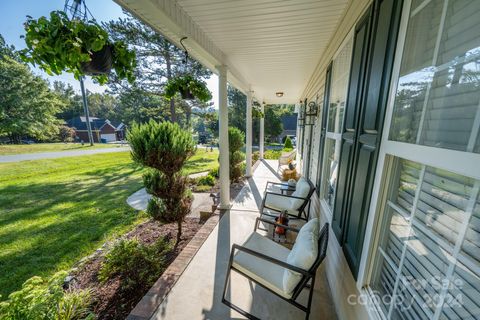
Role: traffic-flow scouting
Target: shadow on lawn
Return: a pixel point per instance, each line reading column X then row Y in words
column 58, row 223
column 198, row 162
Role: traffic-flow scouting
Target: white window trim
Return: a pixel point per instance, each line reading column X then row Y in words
column 445, row 159
column 332, row 135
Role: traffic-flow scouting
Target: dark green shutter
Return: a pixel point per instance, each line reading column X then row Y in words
column 372, row 60
column 357, row 74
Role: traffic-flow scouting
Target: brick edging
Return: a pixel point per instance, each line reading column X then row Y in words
column 146, row 307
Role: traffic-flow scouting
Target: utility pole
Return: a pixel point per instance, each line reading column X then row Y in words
column 85, row 109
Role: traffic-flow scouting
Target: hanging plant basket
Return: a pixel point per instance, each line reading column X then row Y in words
column 188, row 87
column 186, row 94
column 100, row 63
column 59, row 45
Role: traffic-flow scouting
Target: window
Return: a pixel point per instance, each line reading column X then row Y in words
column 427, row 253
column 430, row 235
column 437, row 102
column 336, row 107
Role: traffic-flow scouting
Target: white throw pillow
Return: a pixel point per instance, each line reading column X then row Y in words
column 302, row 190
column 312, row 226
column 302, row 255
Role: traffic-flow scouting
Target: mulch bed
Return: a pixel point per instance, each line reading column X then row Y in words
column 109, row 302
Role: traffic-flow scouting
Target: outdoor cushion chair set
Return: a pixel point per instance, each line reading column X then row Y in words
column 283, row 272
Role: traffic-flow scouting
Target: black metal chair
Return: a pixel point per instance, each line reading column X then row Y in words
column 307, row 276
column 268, row 209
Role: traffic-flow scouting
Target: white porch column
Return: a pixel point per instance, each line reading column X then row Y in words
column 248, row 171
column 223, row 138
column 262, row 129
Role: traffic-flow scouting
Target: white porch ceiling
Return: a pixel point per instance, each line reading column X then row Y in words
column 268, row 45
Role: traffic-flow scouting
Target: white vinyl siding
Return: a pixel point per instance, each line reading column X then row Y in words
column 438, row 96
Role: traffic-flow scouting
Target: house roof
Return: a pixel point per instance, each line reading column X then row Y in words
column 80, row 123
column 289, row 122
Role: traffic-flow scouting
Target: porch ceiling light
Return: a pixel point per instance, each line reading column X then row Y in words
column 279, row 94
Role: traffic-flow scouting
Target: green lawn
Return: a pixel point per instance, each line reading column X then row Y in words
column 8, row 149
column 202, row 161
column 53, row 212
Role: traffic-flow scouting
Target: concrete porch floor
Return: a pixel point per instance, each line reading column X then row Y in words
column 197, row 293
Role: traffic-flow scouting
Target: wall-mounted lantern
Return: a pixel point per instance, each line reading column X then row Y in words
column 307, row 113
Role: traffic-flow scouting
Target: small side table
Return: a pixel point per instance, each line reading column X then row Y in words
column 287, row 189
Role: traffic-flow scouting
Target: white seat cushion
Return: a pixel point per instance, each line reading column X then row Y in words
column 303, row 254
column 280, row 203
column 268, row 274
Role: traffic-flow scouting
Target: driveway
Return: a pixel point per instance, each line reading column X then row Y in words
column 59, row 154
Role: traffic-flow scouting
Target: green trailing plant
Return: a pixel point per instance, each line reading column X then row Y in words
column 255, row 156
column 45, row 299
column 189, row 87
column 288, row 144
column 257, row 112
column 207, row 180
column 59, row 45
column 236, row 142
column 164, row 148
column 137, row 265
column 215, row 172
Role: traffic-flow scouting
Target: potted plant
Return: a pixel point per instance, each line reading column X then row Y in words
column 188, row 87
column 59, row 44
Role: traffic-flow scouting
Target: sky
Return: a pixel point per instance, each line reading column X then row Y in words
column 13, row 14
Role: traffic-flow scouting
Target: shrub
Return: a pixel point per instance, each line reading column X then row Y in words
column 155, row 208
column 255, row 156
column 236, row 140
column 46, row 299
column 272, row 154
column 66, row 134
column 207, row 180
column 164, row 148
column 288, row 143
column 137, row 265
column 214, row 172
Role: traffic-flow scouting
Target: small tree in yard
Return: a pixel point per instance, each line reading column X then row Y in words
column 66, row 134
column 164, row 148
column 236, row 140
column 288, row 143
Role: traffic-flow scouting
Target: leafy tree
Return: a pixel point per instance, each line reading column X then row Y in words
column 73, row 105
column 158, row 61
column 103, row 105
column 237, row 113
column 27, row 105
column 273, row 123
column 7, row 50
column 136, row 105
column 236, row 142
column 164, row 148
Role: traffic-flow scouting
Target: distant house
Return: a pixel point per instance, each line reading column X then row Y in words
column 289, row 126
column 101, row 129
